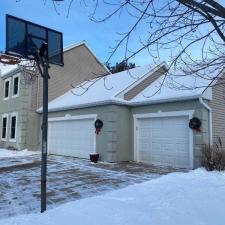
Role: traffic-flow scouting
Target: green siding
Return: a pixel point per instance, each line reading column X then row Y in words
column 26, row 127
column 112, row 143
column 199, row 138
column 116, row 140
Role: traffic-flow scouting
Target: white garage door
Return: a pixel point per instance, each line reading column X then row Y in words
column 72, row 137
column 164, row 141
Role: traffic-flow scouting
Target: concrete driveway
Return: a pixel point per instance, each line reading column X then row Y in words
column 69, row 179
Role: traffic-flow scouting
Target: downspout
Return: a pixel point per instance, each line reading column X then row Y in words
column 210, row 118
column 37, row 96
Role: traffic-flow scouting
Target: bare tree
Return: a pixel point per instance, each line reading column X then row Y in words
column 177, row 26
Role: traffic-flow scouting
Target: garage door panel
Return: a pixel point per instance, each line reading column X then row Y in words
column 164, row 141
column 72, row 138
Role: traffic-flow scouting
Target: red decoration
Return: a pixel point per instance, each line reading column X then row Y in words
column 97, row 131
column 198, row 130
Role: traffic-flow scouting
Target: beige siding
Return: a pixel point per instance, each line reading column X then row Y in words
column 144, row 84
column 34, row 94
column 80, row 65
column 218, row 111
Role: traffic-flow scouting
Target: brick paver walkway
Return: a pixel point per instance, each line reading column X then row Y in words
column 69, row 179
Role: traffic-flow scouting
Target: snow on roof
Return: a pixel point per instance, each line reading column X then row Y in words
column 174, row 86
column 107, row 89
column 100, row 89
column 5, row 69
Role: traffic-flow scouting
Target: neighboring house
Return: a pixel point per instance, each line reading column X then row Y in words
column 140, row 122
column 21, row 94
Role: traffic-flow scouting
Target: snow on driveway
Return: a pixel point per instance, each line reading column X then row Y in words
column 69, row 179
column 194, row 198
column 4, row 153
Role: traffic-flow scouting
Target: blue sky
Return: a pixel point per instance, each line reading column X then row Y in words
column 77, row 27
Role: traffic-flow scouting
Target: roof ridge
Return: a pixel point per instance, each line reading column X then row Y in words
column 138, row 81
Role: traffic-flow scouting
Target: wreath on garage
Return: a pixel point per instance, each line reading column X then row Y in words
column 98, row 126
column 195, row 124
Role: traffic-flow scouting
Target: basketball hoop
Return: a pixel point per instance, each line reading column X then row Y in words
column 28, row 67
column 29, row 72
column 9, row 60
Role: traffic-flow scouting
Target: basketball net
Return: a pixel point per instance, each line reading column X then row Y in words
column 28, row 67
column 9, row 60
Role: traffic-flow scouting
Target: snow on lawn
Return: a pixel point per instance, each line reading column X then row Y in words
column 4, row 153
column 194, row 198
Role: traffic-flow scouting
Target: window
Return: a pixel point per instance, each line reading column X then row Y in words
column 6, row 89
column 15, row 86
column 13, row 126
column 4, row 127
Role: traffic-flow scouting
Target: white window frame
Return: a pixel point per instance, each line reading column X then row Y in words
column 15, row 76
column 12, row 115
column 7, row 80
column 7, row 122
column 188, row 113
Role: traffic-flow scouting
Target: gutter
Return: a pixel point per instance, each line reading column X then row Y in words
column 119, row 102
column 86, row 105
column 210, row 118
column 177, row 99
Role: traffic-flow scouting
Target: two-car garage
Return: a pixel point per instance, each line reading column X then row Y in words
column 161, row 139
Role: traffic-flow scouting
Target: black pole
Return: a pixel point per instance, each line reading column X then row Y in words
column 44, row 137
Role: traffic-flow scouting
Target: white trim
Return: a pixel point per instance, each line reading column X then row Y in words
column 188, row 113
column 70, row 47
column 164, row 114
column 210, row 120
column 15, row 76
column 7, row 122
column 80, row 117
column 12, row 115
column 69, row 117
column 7, row 80
column 118, row 102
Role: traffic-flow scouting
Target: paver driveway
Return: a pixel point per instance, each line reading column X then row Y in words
column 68, row 179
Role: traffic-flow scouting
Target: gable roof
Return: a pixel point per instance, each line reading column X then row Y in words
column 108, row 89
column 99, row 90
column 175, row 86
column 8, row 69
column 70, row 47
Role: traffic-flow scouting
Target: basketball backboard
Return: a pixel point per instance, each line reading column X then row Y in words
column 23, row 38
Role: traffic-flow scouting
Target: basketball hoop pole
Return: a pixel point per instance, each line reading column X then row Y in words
column 44, row 138
column 43, row 60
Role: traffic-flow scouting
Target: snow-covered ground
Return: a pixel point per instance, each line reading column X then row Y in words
column 69, row 179
column 194, row 198
column 4, row 153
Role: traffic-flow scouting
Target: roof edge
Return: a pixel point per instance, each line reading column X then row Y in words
column 72, row 46
column 118, row 102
